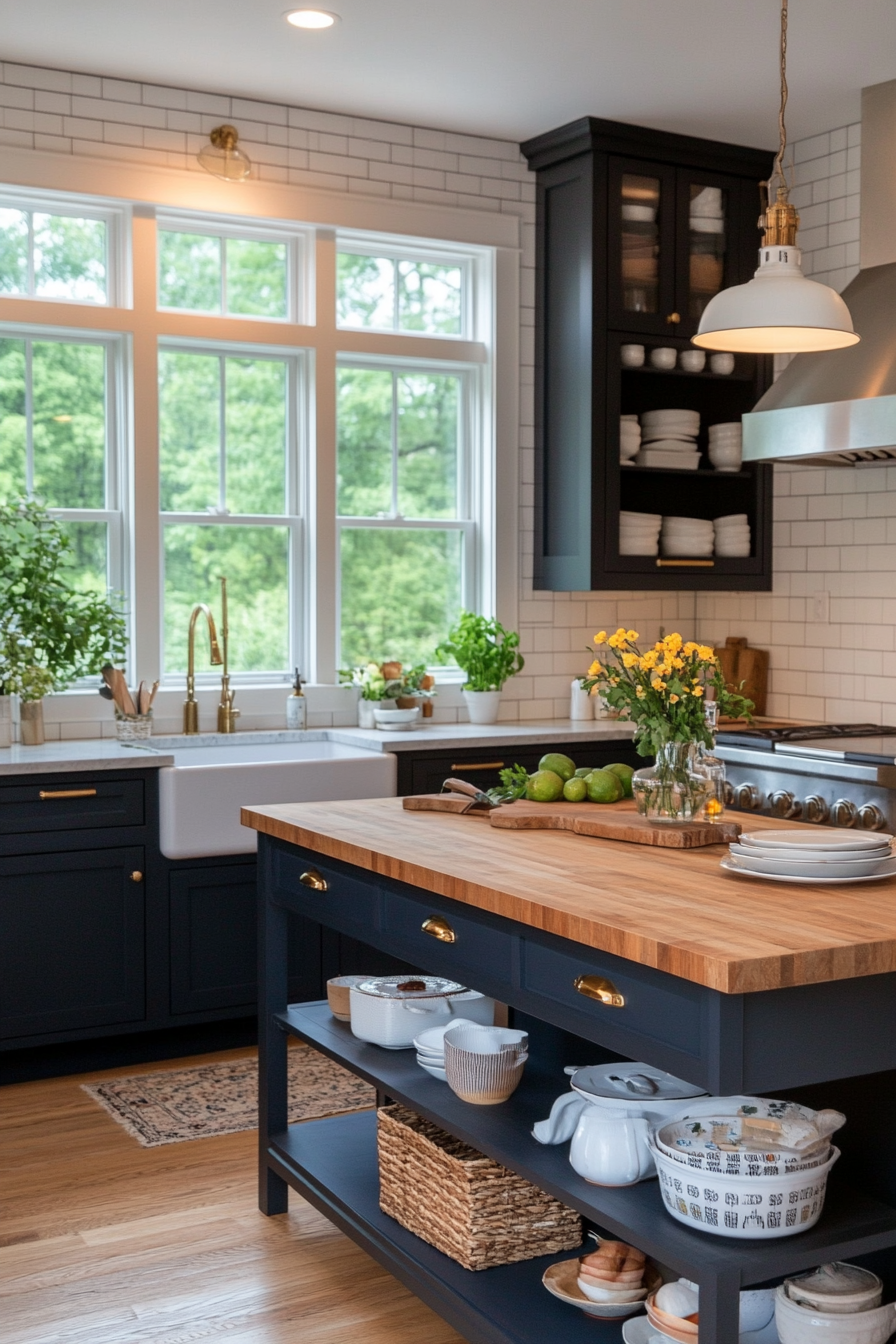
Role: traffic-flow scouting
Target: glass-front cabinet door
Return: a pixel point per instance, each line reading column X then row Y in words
column 642, row 209
column 707, row 242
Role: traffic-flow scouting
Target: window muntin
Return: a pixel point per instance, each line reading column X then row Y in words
column 228, row 483
column 59, row 441
column 46, row 255
column 412, row 294
column 223, row 274
column 407, row 536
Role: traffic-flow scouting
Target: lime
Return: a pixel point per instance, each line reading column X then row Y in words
column 584, row 771
column 544, row 787
column 624, row 775
column 575, row 790
column 603, row 787
column 560, row 765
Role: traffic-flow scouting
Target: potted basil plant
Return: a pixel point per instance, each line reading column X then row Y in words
column 489, row 655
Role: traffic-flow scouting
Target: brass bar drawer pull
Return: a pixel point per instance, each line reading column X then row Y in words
column 485, row 765
column 313, row 879
column 66, row 793
column 439, row 928
column 598, row 987
column 685, row 564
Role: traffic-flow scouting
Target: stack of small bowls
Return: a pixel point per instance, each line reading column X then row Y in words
column 732, row 535
column 726, row 446
column 734, row 1191
column 484, row 1065
column 639, row 533
column 629, row 438
column 838, row 1303
column 669, row 439
column 690, row 537
column 430, row 1046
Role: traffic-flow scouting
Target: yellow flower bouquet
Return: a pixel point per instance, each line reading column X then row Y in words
column 662, row 691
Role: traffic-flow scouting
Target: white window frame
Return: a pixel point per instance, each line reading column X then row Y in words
column 298, row 363
column 116, row 218
column 396, row 249
column 116, row 474
column 299, row 243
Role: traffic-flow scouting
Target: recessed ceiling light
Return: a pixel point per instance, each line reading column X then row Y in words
column 311, row 18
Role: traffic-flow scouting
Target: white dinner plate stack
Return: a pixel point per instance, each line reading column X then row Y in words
column 691, row 538
column 639, row 533
column 824, row 854
column 629, row 438
column 732, row 535
column 706, row 214
column 669, row 439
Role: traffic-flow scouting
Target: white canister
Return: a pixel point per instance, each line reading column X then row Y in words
column 581, row 703
column 365, row 714
column 390, row 1010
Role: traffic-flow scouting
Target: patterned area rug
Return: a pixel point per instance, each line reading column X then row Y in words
column 212, row 1099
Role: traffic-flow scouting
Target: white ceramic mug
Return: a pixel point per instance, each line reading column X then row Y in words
column 663, row 357
column 631, row 356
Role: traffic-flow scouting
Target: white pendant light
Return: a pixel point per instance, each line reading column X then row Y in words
column 779, row 311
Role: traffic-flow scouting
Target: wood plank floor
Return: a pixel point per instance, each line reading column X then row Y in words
column 105, row 1242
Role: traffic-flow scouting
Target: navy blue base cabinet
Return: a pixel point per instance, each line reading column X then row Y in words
column 805, row 1043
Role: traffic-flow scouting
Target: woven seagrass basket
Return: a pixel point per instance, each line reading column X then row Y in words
column 461, row 1202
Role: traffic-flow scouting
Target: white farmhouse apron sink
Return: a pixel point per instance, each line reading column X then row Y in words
column 200, row 796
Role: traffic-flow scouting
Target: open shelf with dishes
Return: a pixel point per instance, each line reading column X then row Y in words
column 660, row 223
column 851, row 1224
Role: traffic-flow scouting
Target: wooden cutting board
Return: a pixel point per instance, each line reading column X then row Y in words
column 611, row 821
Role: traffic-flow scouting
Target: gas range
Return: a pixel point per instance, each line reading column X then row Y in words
column 829, row 774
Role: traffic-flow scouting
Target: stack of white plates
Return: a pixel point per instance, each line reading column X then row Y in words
column 669, row 439
column 430, row 1046
column 732, row 535
column 726, row 446
column 639, row 533
column 823, row 854
column 706, row 215
column 629, row 438
column 688, row 537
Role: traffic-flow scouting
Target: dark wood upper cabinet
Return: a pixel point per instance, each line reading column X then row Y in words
column 636, row 231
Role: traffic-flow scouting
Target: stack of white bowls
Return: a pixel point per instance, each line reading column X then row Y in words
column 430, row 1046
column 691, row 538
column 706, row 214
column 726, row 446
column 639, row 533
column 732, row 533
column 629, row 438
column 669, row 439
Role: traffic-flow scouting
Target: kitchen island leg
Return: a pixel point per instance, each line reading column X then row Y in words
column 720, row 1308
column 273, row 1093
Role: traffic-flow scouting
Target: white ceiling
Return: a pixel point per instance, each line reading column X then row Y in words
column 510, row 68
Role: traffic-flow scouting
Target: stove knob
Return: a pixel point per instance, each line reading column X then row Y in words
column 816, row 809
column 844, row 813
column 748, row 798
column 871, row 818
column 783, row 804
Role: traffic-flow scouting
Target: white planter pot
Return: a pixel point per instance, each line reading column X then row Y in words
column 365, row 714
column 482, row 706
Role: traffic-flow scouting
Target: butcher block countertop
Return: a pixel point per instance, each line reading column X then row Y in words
column 675, row 910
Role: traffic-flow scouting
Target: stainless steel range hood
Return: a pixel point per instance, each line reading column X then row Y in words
column 839, row 406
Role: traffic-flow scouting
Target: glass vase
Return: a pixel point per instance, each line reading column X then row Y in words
column 671, row 790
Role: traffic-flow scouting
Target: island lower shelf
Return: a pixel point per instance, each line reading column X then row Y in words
column 852, row 1223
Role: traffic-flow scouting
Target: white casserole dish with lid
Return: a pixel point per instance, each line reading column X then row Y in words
column 390, row 1010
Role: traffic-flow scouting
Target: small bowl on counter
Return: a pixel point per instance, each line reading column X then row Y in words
column 396, row 720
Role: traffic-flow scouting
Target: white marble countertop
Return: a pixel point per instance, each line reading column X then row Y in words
column 106, row 754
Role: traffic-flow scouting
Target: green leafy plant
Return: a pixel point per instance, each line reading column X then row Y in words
column 69, row 633
column 416, row 681
column 374, row 685
column 513, row 785
column 483, row 649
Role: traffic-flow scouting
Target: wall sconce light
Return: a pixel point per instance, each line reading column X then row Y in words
column 222, row 158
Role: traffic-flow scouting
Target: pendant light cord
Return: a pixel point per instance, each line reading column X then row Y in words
column 778, row 171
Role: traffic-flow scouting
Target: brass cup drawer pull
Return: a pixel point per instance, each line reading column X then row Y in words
column 598, row 987
column 48, row 794
column 313, row 879
column 484, row 765
column 439, row 928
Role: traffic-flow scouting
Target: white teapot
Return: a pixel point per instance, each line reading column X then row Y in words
column 608, row 1114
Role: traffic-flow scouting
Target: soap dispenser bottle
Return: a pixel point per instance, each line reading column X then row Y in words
column 296, row 705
